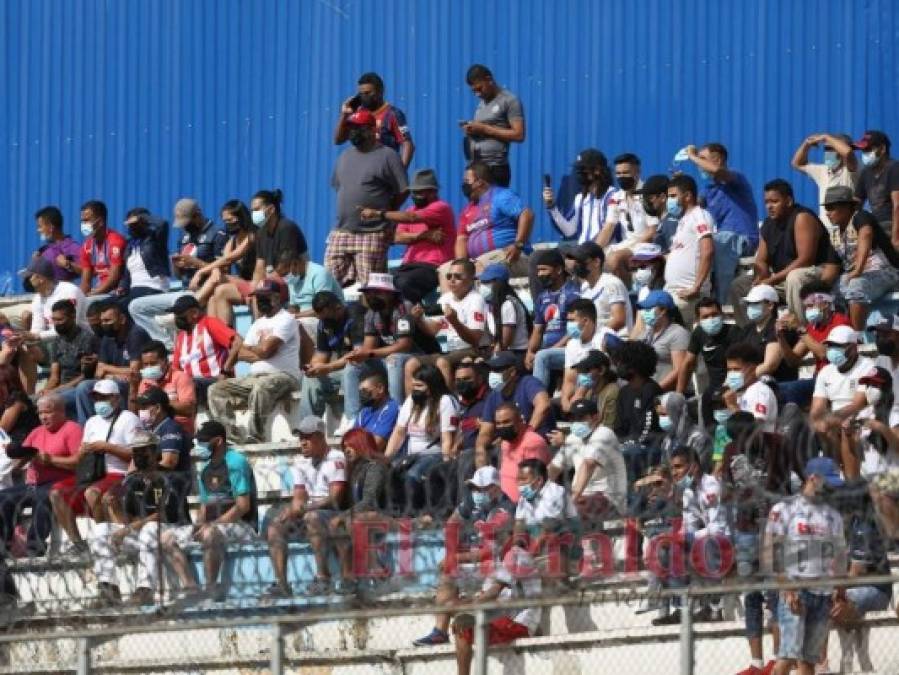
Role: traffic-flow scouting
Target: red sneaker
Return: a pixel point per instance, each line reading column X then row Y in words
column 751, row 670
column 769, row 667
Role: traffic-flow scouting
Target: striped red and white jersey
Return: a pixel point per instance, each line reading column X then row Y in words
column 202, row 351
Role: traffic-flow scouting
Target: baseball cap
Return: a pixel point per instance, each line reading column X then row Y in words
column 839, row 194
column 311, row 424
column 361, row 118
column 495, row 272
column 841, row 335
column 153, row 396
column 39, row 265
column 582, row 408
column 484, row 477
column 551, row 257
column 657, row 299
column 879, row 377
column 872, row 138
column 142, row 439
column 877, row 321
column 593, row 359
column 585, row 251
column 503, row 360
column 106, row 388
column 184, row 303
column 590, row 157
column 211, row 429
column 185, row 209
column 826, row 468
column 654, row 185
column 644, row 252
column 271, row 285
column 378, row 281
column 761, row 293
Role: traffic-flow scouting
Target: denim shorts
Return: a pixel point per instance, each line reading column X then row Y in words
column 869, row 287
column 802, row 636
column 868, row 599
column 754, row 604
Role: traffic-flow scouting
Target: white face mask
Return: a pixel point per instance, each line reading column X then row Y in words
column 643, row 276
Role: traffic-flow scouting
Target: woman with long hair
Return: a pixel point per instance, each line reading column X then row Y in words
column 508, row 320
column 426, row 427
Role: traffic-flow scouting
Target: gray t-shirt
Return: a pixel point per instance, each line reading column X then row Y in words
column 499, row 112
column 368, row 179
column 674, row 338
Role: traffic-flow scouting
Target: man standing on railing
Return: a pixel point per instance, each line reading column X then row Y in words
column 810, row 533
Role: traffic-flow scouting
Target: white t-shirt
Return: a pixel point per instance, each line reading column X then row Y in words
column 517, row 586
column 96, row 429
column 472, row 313
column 139, row 275
column 759, row 400
column 682, row 264
column 42, row 308
column 510, row 314
column 704, row 514
column 610, row 475
column 631, row 217
column 840, row 388
column 813, row 535
column 576, row 349
column 886, row 363
column 316, row 479
column 607, row 291
column 287, row 357
column 551, row 503
column 825, row 178
column 421, row 441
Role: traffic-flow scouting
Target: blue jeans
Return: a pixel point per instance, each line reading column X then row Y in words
column 798, row 392
column 70, row 396
column 803, row 635
column 869, row 287
column 729, row 248
column 85, row 404
column 545, row 362
column 144, row 311
column 318, row 393
column 638, row 458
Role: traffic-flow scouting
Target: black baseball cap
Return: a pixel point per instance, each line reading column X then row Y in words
column 504, row 360
column 153, row 396
column 585, row 251
column 210, row 430
column 582, row 408
column 594, row 359
column 654, row 185
column 872, row 138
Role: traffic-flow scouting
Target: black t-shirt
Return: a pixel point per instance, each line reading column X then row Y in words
column 876, row 185
column 761, row 339
column 398, row 325
column 637, row 419
column 780, row 239
column 27, row 419
column 712, row 348
column 337, row 340
column 287, row 236
column 120, row 355
column 144, row 493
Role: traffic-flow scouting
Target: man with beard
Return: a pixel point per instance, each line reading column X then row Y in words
column 67, row 355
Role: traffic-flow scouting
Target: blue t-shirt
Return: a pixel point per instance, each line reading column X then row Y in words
column 317, row 278
column 526, row 390
column 221, row 484
column 379, row 421
column 551, row 311
column 173, row 438
column 732, row 206
column 495, row 223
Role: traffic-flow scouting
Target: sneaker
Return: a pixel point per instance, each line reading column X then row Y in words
column 142, row 597
column 432, row 639
column 320, row 586
column 751, row 670
column 671, row 619
column 277, row 592
column 708, row 615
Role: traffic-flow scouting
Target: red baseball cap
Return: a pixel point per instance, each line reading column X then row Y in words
column 361, row 118
column 272, row 285
column 872, row 139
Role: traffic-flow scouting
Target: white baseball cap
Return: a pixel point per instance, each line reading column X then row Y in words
column 106, row 388
column 484, row 477
column 761, row 293
column 842, row 335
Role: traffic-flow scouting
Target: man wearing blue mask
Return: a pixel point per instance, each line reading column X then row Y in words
column 839, row 166
column 584, row 336
column 599, row 488
column 544, row 507
column 878, row 182
column 744, row 391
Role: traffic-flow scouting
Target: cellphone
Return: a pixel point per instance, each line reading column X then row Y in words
column 356, row 101
column 547, row 180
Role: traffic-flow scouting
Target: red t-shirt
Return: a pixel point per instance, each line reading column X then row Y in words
column 180, row 387
column 100, row 257
column 64, row 442
column 819, row 333
column 435, row 216
column 531, row 445
column 202, row 351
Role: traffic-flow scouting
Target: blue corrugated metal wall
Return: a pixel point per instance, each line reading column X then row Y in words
column 139, row 102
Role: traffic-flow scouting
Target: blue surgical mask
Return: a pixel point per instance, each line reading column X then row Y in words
column 87, row 229
column 754, row 312
column 151, row 373
column 581, row 430
column 486, row 292
column 837, row 356
column 735, row 380
column 258, row 216
column 831, row 159
column 584, row 380
column 649, row 316
column 291, row 278
column 572, row 329
column 712, row 325
column 495, row 380
column 722, row 415
column 869, row 158
column 665, row 423
column 705, row 175
column 201, row 450
column 685, row 482
column 673, row 207
column 481, row 500
column 813, row 314
column 103, row 408
column 527, row 492
column 45, row 237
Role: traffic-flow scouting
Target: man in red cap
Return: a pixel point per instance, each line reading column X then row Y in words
column 272, row 348
column 878, row 183
column 370, row 180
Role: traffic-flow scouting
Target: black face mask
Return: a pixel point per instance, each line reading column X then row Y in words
column 420, row 201
column 358, row 137
column 627, row 183
column 466, row 389
column 584, row 177
column 232, row 228
column 545, row 280
column 264, row 305
column 137, row 230
column 886, row 346
column 369, row 101
column 107, row 331
column 419, row 397
column 581, row 270
column 66, row 330
column 507, row 433
column 649, row 208
column 377, row 304
column 466, row 190
column 181, row 323
column 366, row 399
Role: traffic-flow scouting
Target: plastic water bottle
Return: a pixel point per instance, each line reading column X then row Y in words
column 6, row 282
